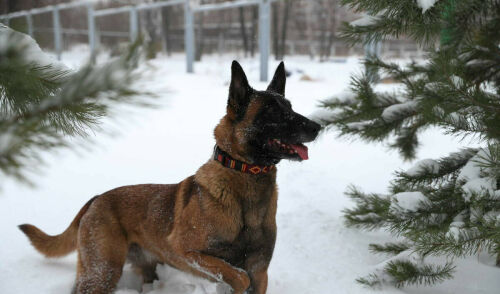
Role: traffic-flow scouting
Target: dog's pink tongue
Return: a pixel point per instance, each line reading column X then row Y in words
column 301, row 151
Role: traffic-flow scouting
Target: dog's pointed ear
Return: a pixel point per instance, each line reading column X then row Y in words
column 239, row 92
column 277, row 85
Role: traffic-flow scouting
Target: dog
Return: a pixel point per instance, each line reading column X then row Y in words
column 219, row 224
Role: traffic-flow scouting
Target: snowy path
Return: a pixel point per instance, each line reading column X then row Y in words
column 315, row 253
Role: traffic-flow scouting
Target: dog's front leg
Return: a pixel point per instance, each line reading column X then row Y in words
column 256, row 265
column 258, row 259
column 261, row 251
column 215, row 269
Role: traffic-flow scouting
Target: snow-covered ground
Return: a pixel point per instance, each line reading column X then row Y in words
column 315, row 253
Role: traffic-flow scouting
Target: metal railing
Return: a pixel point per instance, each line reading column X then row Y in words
column 189, row 12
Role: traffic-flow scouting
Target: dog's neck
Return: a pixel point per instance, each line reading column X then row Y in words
column 226, row 183
column 226, row 160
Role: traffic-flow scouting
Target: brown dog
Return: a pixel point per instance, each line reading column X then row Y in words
column 218, row 224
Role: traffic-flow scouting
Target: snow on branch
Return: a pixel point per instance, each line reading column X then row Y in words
column 426, row 4
column 397, row 110
column 364, row 21
column 407, row 202
column 424, row 166
column 476, row 176
column 30, row 52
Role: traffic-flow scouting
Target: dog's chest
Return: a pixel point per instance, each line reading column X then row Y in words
column 250, row 235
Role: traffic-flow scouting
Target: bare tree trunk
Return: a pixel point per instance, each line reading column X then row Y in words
column 199, row 37
column 255, row 27
column 323, row 28
column 333, row 25
column 275, row 29
column 309, row 31
column 322, row 41
column 166, row 24
column 151, row 34
column 243, row 30
column 284, row 28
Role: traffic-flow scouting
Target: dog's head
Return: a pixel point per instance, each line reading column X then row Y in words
column 260, row 127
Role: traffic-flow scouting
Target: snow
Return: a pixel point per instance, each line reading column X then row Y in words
column 457, row 81
column 7, row 141
column 359, row 125
column 471, row 170
column 423, row 166
column 364, row 21
column 456, row 226
column 171, row 281
column 315, row 253
column 323, row 115
column 394, row 111
column 454, row 232
column 13, row 40
column 426, row 4
column 474, row 176
column 346, row 96
column 407, row 201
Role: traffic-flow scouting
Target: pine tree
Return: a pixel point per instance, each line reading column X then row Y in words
column 448, row 207
column 43, row 104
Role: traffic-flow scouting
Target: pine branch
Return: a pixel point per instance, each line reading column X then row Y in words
column 394, row 19
column 390, row 248
column 401, row 273
column 42, row 102
column 436, row 172
column 370, row 212
column 466, row 242
column 449, row 206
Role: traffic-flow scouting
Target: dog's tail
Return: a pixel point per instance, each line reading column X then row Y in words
column 59, row 245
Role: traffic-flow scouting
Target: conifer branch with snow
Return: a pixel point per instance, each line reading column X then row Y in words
column 448, row 207
column 43, row 103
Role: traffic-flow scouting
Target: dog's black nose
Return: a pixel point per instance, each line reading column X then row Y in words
column 314, row 128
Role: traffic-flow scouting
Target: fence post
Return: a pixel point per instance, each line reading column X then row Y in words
column 91, row 26
column 134, row 24
column 57, row 31
column 264, row 37
column 189, row 36
column 29, row 21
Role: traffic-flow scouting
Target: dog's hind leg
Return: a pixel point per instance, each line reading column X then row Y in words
column 102, row 251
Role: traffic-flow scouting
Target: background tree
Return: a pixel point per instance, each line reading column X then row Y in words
column 448, row 207
column 329, row 17
column 43, row 104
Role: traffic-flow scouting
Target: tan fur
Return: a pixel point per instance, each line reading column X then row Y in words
column 56, row 246
column 233, row 137
column 218, row 224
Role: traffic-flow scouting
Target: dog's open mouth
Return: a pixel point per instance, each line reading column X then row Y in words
column 292, row 150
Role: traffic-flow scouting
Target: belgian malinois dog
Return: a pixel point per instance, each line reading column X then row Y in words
column 218, row 224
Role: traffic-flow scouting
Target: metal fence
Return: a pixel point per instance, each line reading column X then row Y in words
column 190, row 9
